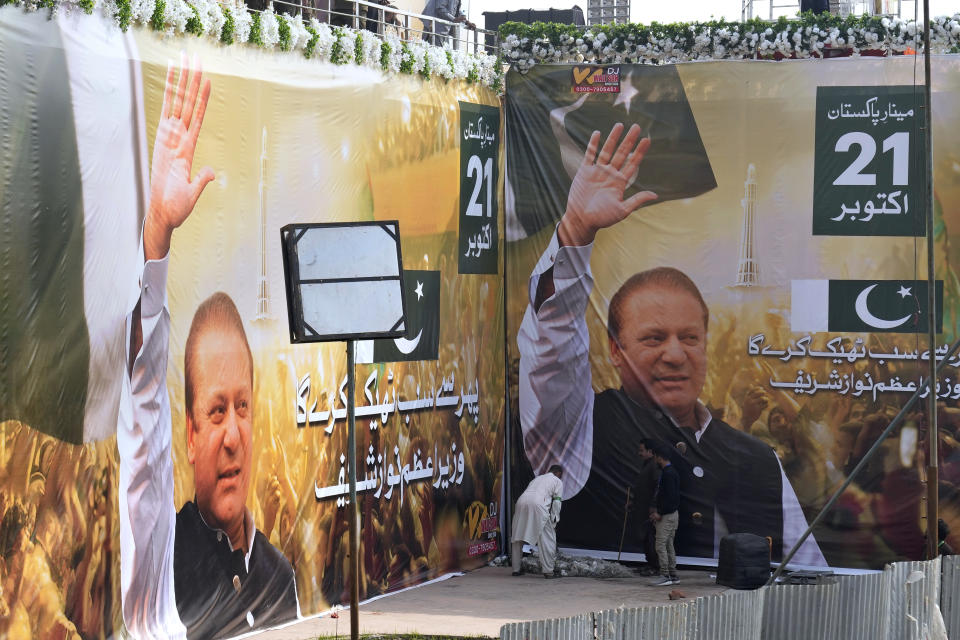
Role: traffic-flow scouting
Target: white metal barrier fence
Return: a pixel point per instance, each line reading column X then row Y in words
column 904, row 602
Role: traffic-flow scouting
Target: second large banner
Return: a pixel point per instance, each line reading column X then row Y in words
column 727, row 259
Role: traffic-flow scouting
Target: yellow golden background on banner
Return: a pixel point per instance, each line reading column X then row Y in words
column 763, row 114
column 293, row 141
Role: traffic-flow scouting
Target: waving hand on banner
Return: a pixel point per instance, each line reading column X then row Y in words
column 596, row 195
column 172, row 193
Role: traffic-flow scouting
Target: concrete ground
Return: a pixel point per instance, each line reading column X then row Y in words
column 479, row 602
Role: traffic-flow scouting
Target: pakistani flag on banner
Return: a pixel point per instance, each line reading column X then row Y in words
column 71, row 197
column 869, row 306
column 422, row 341
column 550, row 127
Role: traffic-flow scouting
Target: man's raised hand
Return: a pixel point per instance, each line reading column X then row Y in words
column 596, row 195
column 172, row 193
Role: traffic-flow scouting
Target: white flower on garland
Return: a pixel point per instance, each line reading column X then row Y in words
column 269, row 29
column 142, row 10
column 419, row 54
column 325, row 39
column 211, row 15
column 110, row 11
column 346, row 40
column 176, row 13
column 437, row 58
column 299, row 36
column 395, row 58
column 371, row 48
column 242, row 21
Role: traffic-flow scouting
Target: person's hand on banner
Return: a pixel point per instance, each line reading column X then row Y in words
column 172, row 193
column 753, row 405
column 596, row 195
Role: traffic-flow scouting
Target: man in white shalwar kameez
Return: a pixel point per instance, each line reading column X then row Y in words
column 535, row 520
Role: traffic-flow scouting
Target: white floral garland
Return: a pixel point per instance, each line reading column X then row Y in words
column 230, row 22
column 805, row 37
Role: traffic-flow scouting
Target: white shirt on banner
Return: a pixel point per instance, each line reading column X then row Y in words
column 144, row 432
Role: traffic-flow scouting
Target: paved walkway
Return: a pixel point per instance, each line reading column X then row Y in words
column 479, row 602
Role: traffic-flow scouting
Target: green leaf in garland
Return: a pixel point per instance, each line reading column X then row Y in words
column 425, row 71
column 385, row 51
column 194, row 25
column 123, row 15
column 156, row 20
column 226, row 33
column 283, row 28
column 312, row 43
column 337, row 54
column 406, row 59
column 358, row 49
column 256, row 30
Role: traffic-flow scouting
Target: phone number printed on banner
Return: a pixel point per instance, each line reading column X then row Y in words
column 596, row 79
column 868, row 168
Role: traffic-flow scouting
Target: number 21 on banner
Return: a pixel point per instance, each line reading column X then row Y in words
column 898, row 142
column 484, row 176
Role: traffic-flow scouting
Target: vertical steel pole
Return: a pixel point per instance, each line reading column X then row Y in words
column 352, row 512
column 933, row 435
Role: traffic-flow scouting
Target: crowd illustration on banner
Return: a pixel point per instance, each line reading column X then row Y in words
column 388, row 404
column 377, row 478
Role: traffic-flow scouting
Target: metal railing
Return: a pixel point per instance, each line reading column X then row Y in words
column 384, row 20
column 906, row 601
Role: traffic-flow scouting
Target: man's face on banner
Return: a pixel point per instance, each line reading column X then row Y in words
column 662, row 350
column 219, row 426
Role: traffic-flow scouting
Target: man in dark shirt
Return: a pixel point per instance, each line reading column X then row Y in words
column 228, row 578
column 666, row 517
column 641, row 505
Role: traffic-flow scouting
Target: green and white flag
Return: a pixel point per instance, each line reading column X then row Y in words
column 71, row 207
column 422, row 340
column 869, row 306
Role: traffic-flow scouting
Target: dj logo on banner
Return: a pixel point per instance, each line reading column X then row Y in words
column 596, row 79
column 422, row 341
column 479, row 168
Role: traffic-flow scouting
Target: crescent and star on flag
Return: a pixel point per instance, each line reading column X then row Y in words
column 407, row 346
column 864, row 313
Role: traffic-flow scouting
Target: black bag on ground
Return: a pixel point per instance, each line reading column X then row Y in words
column 744, row 561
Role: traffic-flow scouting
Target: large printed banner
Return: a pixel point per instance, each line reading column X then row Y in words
column 169, row 462
column 736, row 273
